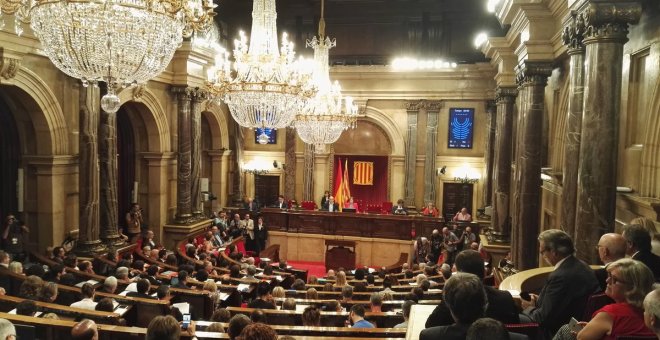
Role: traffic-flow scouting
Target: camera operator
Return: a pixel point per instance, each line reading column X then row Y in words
column 467, row 238
column 134, row 222
column 13, row 238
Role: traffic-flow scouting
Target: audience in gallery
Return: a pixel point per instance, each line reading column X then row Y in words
column 652, row 311
column 611, row 247
column 638, row 247
column 628, row 283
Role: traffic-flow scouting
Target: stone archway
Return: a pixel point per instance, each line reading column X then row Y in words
column 215, row 151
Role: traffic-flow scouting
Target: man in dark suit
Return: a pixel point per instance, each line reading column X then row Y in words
column 142, row 290
column 331, row 205
column 261, row 233
column 281, row 203
column 466, row 299
column 264, row 298
column 250, row 205
column 611, row 247
column 500, row 303
column 399, row 209
column 566, row 290
column 638, row 242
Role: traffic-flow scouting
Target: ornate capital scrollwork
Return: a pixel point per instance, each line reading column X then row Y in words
column 138, row 91
column 9, row 64
column 533, row 73
column 573, row 33
column 609, row 20
column 434, row 105
column 197, row 94
column 414, row 105
column 505, row 93
column 181, row 92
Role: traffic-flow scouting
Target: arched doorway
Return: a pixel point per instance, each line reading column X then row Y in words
column 10, row 158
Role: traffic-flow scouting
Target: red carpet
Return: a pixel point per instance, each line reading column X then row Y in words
column 313, row 268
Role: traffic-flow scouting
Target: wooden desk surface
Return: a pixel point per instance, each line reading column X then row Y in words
column 531, row 280
column 417, row 320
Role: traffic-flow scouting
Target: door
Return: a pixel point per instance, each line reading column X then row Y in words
column 454, row 197
column 266, row 189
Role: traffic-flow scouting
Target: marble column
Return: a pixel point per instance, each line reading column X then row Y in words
column 109, row 219
column 219, row 176
column 432, row 111
column 412, row 107
column 308, row 173
column 606, row 32
column 290, row 162
column 532, row 78
column 88, row 177
column 157, row 184
column 489, row 153
column 500, row 221
column 237, row 174
column 184, row 156
column 572, row 37
column 197, row 96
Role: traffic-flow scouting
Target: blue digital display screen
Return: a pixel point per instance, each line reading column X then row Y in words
column 461, row 127
column 271, row 133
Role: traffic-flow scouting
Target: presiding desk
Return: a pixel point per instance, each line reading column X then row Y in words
column 398, row 227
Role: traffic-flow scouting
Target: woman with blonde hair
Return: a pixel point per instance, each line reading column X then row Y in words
column 48, row 292
column 312, row 294
column 212, row 288
column 628, row 282
column 341, row 279
column 16, row 267
column 278, row 293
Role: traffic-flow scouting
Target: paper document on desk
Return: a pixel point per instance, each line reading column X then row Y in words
column 183, row 307
column 91, row 282
column 223, row 296
column 242, row 287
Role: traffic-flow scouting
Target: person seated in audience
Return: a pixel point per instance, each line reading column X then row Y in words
column 54, row 273
column 298, row 284
column 278, row 292
column 171, row 260
column 651, row 311
column 86, row 266
column 167, row 328
column 201, row 275
column 258, row 331
column 487, row 328
column 500, row 302
column 351, row 204
column 346, row 294
column 264, row 298
column 466, row 299
column 216, row 327
column 105, row 305
column 142, row 290
column 462, row 216
column 150, row 275
column 330, row 275
column 35, row 269
column 408, row 274
column 376, row 302
column 7, row 330
column 30, row 287
column 236, row 325
column 4, row 259
column 567, row 288
column 333, row 306
column 387, row 285
column 87, row 292
column 312, row 294
column 163, row 292
column 48, row 292
column 250, row 272
column 258, row 315
column 399, row 209
column 405, row 307
column 356, row 317
column 419, row 293
column 419, row 278
column 182, row 280
column 312, row 280
column 85, row 330
column 371, row 280
column 638, row 242
column 359, row 274
column 331, row 205
column 221, row 315
column 628, row 282
column 250, row 205
column 109, row 285
column 311, row 316
column 340, row 281
column 16, row 267
column 359, row 287
column 430, row 210
column 58, row 254
column 611, row 247
column 445, row 271
column 425, row 285
column 289, row 304
column 328, row 287
column 26, row 307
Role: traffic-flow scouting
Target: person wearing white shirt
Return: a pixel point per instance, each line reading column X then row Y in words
column 87, row 302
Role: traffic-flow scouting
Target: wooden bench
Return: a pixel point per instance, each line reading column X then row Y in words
column 361, row 296
column 7, row 303
column 328, row 319
column 305, row 332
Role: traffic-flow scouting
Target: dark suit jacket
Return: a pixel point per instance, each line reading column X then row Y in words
column 457, row 332
column 335, row 207
column 254, row 207
column 650, row 260
column 402, row 211
column 500, row 307
column 564, row 295
column 601, row 276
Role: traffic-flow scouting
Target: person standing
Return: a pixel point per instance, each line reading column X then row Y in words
column 463, row 216
column 261, row 234
column 134, row 222
column 451, row 241
column 331, row 205
column 248, row 232
column 13, row 237
column 324, row 200
column 399, row 209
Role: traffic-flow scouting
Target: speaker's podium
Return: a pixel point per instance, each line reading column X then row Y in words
column 339, row 254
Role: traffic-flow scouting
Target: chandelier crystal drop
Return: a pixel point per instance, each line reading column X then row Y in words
column 327, row 114
column 266, row 85
column 119, row 42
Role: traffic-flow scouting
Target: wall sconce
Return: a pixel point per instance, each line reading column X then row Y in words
column 278, row 165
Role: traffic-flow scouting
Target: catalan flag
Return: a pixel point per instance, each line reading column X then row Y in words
column 342, row 190
column 363, row 173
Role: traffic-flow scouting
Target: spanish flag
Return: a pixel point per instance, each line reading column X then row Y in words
column 342, row 190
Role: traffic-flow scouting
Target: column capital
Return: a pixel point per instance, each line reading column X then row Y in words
column 573, row 33
column 505, row 93
column 608, row 20
column 433, row 105
column 533, row 73
column 198, row 94
column 10, row 63
column 413, row 106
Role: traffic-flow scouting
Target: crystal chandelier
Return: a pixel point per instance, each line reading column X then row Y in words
column 267, row 86
column 119, row 42
column 326, row 115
